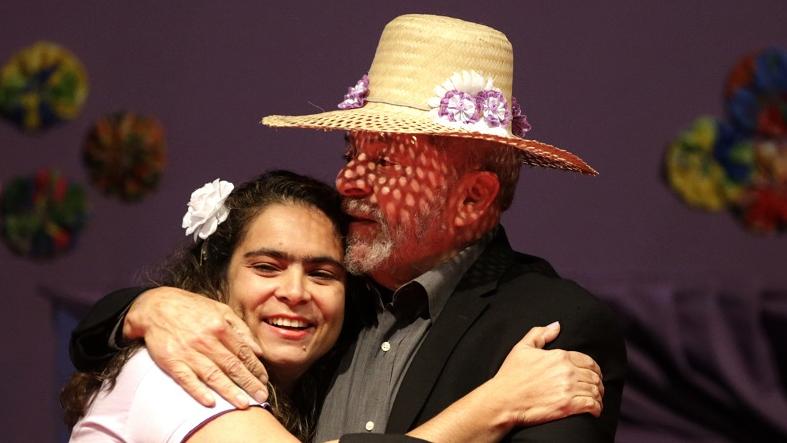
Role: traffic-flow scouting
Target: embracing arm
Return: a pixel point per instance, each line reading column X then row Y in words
column 90, row 347
column 197, row 341
column 554, row 385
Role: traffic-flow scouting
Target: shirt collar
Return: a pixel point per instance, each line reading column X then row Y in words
column 440, row 282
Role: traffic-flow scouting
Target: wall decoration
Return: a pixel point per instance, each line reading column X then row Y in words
column 42, row 85
column 41, row 215
column 125, row 154
column 739, row 163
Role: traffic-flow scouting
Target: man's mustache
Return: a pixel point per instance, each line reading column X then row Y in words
column 362, row 209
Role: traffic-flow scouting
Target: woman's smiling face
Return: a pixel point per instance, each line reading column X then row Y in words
column 286, row 280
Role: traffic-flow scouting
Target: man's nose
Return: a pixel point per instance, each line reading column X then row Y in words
column 351, row 182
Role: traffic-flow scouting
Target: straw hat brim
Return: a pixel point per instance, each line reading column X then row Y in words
column 383, row 117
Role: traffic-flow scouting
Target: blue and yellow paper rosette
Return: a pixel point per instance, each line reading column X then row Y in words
column 42, row 215
column 739, row 163
column 693, row 170
column 125, row 155
column 42, row 85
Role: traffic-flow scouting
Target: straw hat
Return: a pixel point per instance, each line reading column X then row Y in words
column 440, row 76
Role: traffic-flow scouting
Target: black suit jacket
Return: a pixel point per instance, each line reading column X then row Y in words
column 499, row 299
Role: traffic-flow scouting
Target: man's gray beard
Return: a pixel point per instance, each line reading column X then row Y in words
column 364, row 257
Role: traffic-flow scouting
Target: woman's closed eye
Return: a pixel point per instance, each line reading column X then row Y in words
column 266, row 268
column 323, row 275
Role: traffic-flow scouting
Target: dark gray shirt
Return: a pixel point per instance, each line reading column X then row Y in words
column 361, row 397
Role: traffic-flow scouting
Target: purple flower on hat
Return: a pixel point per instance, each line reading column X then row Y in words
column 356, row 95
column 458, row 106
column 519, row 123
column 492, row 104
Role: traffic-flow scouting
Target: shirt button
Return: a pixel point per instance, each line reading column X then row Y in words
column 369, row 426
column 385, row 347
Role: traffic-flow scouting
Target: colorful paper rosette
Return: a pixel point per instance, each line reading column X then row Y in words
column 125, row 154
column 740, row 163
column 42, row 85
column 756, row 94
column 693, row 170
column 42, row 215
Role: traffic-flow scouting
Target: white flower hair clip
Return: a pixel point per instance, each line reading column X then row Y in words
column 206, row 209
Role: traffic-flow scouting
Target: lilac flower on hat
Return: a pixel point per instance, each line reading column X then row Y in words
column 356, row 95
column 519, row 123
column 470, row 101
column 492, row 105
column 458, row 106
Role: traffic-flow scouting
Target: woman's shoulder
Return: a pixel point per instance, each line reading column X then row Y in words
column 108, row 415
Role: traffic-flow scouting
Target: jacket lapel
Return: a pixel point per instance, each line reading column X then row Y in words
column 461, row 310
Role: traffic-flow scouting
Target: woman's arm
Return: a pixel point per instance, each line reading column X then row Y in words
column 250, row 425
column 557, row 384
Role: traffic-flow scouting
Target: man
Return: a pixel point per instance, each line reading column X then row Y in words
column 433, row 157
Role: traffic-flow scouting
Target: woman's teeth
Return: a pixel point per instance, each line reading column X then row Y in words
column 287, row 323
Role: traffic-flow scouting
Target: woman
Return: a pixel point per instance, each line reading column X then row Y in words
column 273, row 252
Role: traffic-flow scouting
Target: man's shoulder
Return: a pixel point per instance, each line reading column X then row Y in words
column 533, row 278
column 533, row 291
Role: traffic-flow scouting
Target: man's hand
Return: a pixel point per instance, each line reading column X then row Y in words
column 200, row 343
column 538, row 385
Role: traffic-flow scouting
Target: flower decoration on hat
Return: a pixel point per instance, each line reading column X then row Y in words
column 41, row 215
column 470, row 101
column 356, row 95
column 740, row 163
column 42, row 85
column 519, row 123
column 206, row 209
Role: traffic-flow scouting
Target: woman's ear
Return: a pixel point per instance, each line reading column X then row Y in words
column 478, row 194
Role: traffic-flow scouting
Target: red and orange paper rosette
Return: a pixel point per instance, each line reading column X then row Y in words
column 125, row 155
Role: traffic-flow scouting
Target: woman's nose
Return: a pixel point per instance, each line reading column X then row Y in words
column 292, row 289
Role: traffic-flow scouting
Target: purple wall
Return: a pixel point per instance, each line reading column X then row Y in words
column 612, row 83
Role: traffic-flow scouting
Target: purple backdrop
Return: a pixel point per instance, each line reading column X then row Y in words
column 611, row 82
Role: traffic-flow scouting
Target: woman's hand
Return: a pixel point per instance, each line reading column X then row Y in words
column 532, row 386
column 200, row 343
column 537, row 385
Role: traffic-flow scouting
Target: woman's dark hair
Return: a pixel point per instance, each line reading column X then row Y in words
column 202, row 268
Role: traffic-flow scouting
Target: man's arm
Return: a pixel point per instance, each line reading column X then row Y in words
column 594, row 331
column 90, row 347
column 197, row 341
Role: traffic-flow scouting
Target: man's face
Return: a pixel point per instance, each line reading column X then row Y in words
column 395, row 188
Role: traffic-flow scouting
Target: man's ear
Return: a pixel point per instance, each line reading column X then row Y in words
column 478, row 192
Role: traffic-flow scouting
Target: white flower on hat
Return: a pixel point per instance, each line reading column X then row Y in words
column 206, row 209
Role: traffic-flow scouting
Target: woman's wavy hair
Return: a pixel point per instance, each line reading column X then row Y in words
column 202, row 268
